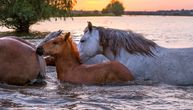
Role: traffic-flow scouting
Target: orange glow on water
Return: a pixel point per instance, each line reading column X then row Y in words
column 136, row 5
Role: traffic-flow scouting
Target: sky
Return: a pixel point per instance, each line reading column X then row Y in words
column 136, row 5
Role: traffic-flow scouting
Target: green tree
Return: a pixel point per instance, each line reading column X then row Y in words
column 114, row 7
column 21, row 14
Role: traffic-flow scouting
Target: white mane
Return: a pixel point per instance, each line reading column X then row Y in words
column 133, row 42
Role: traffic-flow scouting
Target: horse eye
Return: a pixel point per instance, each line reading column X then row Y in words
column 55, row 43
column 82, row 40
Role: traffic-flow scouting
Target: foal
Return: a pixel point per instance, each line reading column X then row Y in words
column 69, row 68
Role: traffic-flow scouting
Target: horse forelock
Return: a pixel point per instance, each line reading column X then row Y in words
column 87, row 29
column 51, row 36
column 132, row 42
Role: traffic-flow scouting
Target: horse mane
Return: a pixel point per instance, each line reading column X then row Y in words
column 74, row 49
column 133, row 42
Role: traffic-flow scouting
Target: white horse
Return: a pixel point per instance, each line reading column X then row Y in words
column 146, row 59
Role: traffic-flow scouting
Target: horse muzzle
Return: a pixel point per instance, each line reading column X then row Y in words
column 40, row 51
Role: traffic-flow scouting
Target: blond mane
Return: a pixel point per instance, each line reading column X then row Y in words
column 74, row 49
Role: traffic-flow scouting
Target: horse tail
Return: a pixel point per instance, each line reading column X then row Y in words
column 42, row 66
column 42, row 74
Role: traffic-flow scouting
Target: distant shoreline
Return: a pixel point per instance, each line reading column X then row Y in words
column 162, row 12
column 77, row 13
column 128, row 15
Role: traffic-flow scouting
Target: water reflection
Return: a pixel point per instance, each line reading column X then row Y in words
column 166, row 31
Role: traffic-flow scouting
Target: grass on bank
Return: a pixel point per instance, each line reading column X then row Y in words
column 30, row 35
column 87, row 15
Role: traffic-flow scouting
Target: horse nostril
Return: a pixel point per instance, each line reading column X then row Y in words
column 39, row 51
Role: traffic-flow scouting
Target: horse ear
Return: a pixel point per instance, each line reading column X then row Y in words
column 89, row 26
column 66, row 36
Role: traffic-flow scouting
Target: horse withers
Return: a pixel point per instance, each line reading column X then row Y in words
column 69, row 68
column 20, row 65
column 146, row 59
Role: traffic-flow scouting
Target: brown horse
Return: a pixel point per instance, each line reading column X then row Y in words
column 69, row 68
column 20, row 65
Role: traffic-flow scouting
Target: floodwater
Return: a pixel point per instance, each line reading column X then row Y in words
column 168, row 31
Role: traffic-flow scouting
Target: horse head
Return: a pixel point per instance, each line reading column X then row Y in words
column 53, row 44
column 89, row 45
column 110, row 42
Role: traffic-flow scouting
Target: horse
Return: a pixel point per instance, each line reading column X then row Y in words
column 146, row 59
column 50, row 61
column 20, row 65
column 68, row 66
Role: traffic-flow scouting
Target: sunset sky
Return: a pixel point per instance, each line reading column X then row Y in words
column 136, row 5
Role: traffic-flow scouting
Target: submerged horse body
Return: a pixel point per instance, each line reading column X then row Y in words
column 69, row 68
column 146, row 59
column 20, row 64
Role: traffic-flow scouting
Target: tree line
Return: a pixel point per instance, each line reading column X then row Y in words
column 21, row 14
column 114, row 7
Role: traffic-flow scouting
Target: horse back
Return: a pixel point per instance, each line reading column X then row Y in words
column 19, row 63
column 105, row 72
column 122, row 71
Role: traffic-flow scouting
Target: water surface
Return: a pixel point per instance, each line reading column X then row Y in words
column 176, row 32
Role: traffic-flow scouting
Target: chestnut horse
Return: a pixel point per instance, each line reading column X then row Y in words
column 69, row 68
column 20, row 65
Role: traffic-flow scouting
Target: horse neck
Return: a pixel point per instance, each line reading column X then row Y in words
column 121, row 56
column 66, row 60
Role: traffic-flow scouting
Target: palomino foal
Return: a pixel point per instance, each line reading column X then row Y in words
column 69, row 68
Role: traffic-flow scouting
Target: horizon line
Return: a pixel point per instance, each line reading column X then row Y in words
column 137, row 10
